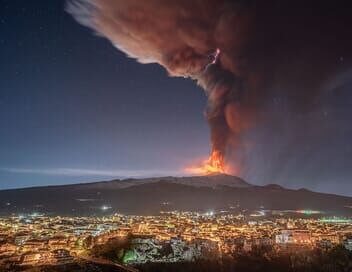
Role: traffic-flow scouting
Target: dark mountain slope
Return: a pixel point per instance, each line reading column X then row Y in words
column 149, row 196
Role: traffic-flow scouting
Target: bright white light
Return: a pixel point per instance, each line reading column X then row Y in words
column 210, row 213
column 105, row 208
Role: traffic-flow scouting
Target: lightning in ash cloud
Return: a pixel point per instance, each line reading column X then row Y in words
column 215, row 56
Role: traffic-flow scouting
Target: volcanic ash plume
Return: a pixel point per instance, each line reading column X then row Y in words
column 238, row 51
column 188, row 38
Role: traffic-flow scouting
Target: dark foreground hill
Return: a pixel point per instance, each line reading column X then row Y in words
column 149, row 196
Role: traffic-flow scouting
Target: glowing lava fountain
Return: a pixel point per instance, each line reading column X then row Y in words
column 215, row 164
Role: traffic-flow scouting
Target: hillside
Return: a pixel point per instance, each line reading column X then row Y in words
column 149, row 196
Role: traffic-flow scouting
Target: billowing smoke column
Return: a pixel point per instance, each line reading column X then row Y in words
column 243, row 53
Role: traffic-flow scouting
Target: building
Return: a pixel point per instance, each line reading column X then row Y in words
column 293, row 237
column 348, row 243
column 61, row 256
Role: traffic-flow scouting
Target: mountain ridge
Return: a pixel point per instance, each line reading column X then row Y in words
column 152, row 195
column 138, row 181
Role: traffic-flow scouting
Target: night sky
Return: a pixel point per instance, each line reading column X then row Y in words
column 73, row 109
column 70, row 100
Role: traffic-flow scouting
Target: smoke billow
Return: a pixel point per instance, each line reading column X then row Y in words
column 247, row 55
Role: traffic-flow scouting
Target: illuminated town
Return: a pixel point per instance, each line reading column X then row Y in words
column 36, row 239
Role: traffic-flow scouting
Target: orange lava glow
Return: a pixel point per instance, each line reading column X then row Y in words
column 215, row 164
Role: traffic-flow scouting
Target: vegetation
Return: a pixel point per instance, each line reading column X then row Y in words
column 337, row 260
column 113, row 250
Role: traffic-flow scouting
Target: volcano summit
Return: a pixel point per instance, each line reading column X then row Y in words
column 216, row 192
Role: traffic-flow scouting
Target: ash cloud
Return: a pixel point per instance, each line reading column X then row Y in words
column 274, row 55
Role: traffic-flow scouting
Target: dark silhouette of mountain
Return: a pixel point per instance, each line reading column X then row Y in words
column 151, row 195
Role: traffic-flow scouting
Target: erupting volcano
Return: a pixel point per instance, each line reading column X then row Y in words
column 252, row 59
column 215, row 164
column 202, row 49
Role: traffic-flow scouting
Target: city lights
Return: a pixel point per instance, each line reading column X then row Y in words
column 45, row 240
